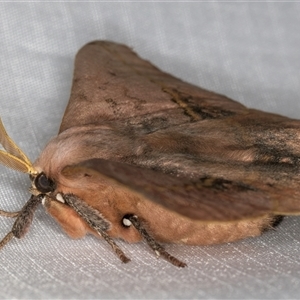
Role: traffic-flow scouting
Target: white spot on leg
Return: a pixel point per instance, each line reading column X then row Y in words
column 60, row 198
column 44, row 201
column 126, row 222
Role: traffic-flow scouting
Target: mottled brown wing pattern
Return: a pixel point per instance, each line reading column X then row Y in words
column 208, row 199
column 187, row 132
column 112, row 83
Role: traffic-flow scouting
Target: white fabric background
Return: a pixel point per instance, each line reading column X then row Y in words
column 248, row 51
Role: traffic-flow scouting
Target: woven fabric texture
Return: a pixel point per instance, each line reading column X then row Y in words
column 248, row 51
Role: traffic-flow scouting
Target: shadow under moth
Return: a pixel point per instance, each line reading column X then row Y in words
column 142, row 155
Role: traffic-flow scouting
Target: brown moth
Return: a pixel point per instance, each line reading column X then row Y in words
column 143, row 155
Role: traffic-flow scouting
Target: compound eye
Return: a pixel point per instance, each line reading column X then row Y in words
column 44, row 184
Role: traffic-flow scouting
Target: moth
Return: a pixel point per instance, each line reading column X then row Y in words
column 142, row 155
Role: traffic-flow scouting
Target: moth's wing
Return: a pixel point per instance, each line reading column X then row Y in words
column 112, row 83
column 208, row 199
column 181, row 130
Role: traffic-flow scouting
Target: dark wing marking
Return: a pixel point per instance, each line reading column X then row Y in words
column 112, row 83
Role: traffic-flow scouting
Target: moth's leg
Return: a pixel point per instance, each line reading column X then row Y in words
column 96, row 221
column 9, row 214
column 24, row 220
column 115, row 247
column 6, row 239
column 159, row 250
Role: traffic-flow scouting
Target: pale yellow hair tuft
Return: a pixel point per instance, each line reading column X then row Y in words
column 13, row 157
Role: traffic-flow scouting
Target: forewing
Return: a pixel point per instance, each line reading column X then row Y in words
column 112, row 83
